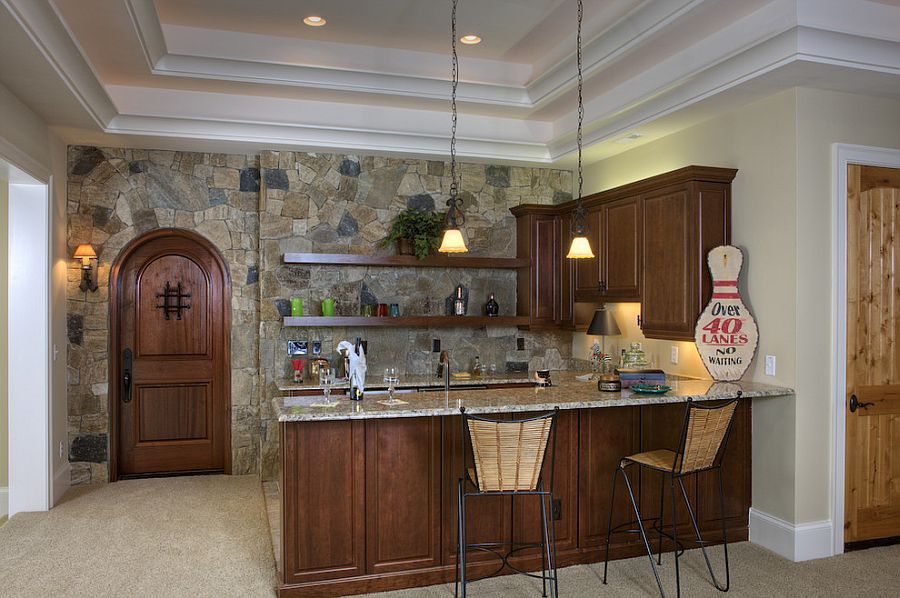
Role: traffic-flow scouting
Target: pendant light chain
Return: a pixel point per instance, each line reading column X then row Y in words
column 454, row 77
column 581, row 246
column 580, row 98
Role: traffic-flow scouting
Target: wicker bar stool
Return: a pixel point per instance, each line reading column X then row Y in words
column 509, row 456
column 702, row 444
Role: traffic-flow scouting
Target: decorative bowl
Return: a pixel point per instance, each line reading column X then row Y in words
column 651, row 389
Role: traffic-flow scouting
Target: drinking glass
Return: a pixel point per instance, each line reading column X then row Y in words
column 326, row 379
column 391, row 378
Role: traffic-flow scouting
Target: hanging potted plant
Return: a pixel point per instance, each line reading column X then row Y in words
column 416, row 232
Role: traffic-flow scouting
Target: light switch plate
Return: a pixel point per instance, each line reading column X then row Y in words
column 674, row 355
column 770, row 365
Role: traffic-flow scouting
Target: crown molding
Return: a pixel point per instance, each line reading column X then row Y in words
column 45, row 28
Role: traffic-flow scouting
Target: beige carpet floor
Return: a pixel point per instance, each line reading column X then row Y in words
column 209, row 536
column 186, row 536
column 755, row 572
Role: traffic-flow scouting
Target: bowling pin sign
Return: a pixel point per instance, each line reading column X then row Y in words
column 726, row 334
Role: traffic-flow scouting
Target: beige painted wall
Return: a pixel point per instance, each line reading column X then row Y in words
column 823, row 118
column 782, row 218
column 4, row 282
column 759, row 140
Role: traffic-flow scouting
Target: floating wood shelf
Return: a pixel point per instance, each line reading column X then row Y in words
column 405, row 321
column 408, row 261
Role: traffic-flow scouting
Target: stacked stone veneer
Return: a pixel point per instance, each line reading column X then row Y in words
column 256, row 208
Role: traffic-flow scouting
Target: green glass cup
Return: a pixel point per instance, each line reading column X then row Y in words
column 367, row 310
column 328, row 307
column 296, row 307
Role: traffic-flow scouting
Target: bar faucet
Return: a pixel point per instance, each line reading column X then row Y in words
column 444, row 362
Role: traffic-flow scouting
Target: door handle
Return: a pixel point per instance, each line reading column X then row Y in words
column 126, row 376
column 855, row 404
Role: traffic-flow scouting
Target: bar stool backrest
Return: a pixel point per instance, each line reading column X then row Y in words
column 509, row 454
column 703, row 438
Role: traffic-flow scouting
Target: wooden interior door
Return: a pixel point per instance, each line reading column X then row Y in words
column 171, row 380
column 872, row 486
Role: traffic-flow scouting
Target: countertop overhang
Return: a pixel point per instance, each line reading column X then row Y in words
column 567, row 393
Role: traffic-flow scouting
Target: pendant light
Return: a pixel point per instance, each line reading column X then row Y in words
column 580, row 247
column 453, row 241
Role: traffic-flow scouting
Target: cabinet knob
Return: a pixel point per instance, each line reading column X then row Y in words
column 601, row 286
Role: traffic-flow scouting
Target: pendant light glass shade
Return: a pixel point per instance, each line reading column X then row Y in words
column 580, row 249
column 453, row 242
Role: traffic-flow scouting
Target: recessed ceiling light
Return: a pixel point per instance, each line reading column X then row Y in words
column 629, row 138
column 314, row 21
column 470, row 39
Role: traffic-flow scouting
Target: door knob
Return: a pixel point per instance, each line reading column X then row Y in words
column 855, row 404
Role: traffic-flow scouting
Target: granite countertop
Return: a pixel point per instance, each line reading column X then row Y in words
column 568, row 393
column 419, row 381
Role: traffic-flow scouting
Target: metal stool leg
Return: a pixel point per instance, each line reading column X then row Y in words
column 662, row 509
column 464, row 544
column 612, row 502
column 545, row 547
column 700, row 538
column 637, row 514
column 675, row 533
column 555, row 580
column 459, row 526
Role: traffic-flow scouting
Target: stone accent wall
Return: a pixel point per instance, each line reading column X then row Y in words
column 345, row 204
column 256, row 208
column 116, row 195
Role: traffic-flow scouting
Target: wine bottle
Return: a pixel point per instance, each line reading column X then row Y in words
column 492, row 308
column 459, row 305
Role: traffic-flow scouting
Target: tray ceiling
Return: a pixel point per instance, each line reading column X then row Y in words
column 376, row 76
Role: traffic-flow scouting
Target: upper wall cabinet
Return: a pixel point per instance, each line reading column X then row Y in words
column 651, row 238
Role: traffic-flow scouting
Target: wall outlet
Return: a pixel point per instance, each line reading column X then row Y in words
column 520, row 343
column 435, row 345
column 673, row 357
column 61, row 449
column 770, row 365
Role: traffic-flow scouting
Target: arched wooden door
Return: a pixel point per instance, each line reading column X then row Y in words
column 170, row 296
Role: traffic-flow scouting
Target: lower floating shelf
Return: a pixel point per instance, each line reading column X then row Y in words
column 405, row 321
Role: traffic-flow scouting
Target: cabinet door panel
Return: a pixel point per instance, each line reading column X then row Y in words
column 714, row 226
column 488, row 518
column 566, row 274
column 403, row 490
column 323, row 532
column 587, row 271
column 545, row 270
column 620, row 251
column 661, row 427
column 667, row 309
column 606, row 435
column 527, row 509
column 736, row 477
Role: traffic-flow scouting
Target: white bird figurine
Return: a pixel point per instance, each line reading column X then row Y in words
column 356, row 371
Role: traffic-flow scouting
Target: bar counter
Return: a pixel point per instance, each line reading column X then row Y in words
column 566, row 393
column 368, row 491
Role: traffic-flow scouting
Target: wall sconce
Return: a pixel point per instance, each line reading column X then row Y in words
column 86, row 253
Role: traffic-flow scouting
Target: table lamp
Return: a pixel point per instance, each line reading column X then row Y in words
column 603, row 324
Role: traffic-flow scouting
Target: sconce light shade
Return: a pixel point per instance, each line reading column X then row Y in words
column 453, row 242
column 85, row 252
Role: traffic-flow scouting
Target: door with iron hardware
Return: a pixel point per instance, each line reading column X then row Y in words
column 169, row 302
column 872, row 462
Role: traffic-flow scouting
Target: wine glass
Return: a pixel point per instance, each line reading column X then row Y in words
column 326, row 379
column 391, row 378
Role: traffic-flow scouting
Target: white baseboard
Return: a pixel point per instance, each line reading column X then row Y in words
column 797, row 542
column 61, row 483
column 4, row 502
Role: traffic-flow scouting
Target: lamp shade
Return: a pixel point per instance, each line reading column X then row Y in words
column 580, row 248
column 85, row 251
column 453, row 242
column 603, row 324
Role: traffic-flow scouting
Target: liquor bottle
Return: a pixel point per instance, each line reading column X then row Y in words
column 459, row 305
column 492, row 308
column 477, row 368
